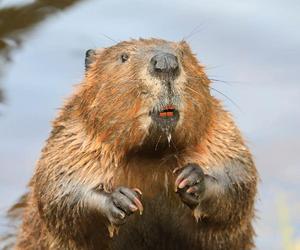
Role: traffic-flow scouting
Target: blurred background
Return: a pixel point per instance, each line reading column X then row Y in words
column 250, row 48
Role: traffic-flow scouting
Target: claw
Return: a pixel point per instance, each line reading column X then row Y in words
column 177, row 169
column 112, row 230
column 139, row 205
column 138, row 191
column 137, row 201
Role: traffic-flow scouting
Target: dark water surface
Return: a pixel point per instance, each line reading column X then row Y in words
column 252, row 45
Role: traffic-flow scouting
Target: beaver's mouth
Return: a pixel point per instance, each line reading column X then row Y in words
column 166, row 116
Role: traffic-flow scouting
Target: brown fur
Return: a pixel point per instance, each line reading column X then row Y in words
column 103, row 137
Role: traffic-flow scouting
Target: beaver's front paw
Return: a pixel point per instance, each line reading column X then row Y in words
column 189, row 184
column 121, row 203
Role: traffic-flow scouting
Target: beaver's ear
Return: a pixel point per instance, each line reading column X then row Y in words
column 90, row 55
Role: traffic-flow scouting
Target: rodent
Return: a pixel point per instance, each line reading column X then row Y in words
column 142, row 156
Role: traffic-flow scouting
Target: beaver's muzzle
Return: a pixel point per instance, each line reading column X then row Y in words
column 165, row 117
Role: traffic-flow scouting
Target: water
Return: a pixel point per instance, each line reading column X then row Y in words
column 253, row 45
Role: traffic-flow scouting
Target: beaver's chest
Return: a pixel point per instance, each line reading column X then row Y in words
column 166, row 223
column 163, row 225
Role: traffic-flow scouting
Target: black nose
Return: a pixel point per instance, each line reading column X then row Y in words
column 163, row 63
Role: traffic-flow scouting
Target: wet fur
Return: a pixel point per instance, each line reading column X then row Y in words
column 103, row 138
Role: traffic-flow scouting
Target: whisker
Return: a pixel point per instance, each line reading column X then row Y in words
column 193, row 90
column 234, row 103
column 193, row 32
column 174, row 145
column 211, row 79
column 108, row 37
column 217, row 80
column 156, row 146
column 207, row 67
column 220, row 81
column 228, row 98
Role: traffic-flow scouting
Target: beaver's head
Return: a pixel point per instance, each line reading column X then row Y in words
column 145, row 92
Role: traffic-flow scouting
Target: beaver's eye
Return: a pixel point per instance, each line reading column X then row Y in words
column 124, row 57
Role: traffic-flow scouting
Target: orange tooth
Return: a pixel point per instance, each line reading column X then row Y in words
column 170, row 114
column 162, row 114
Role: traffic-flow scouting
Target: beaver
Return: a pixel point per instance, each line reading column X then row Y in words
column 141, row 156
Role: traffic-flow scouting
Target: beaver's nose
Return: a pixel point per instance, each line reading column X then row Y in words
column 164, row 63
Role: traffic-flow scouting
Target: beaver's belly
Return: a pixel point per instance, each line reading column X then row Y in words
column 165, row 224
